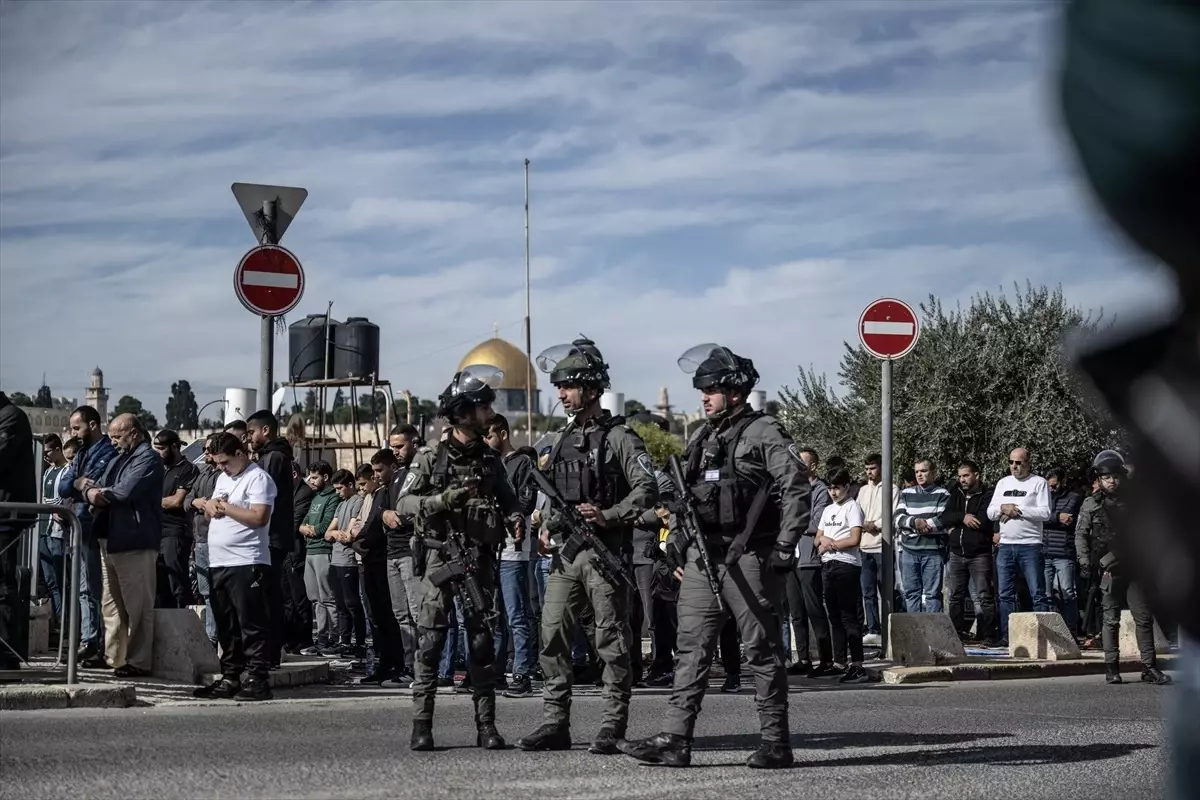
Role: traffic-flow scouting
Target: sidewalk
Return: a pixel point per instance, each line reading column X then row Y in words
column 983, row 664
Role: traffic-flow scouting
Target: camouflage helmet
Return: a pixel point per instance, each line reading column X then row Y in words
column 579, row 362
column 472, row 386
column 713, row 365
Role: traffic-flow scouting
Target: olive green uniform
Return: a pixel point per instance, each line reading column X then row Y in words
column 763, row 455
column 483, row 521
column 614, row 469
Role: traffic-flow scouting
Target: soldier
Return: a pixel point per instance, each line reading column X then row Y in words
column 459, row 488
column 599, row 465
column 750, row 492
column 1094, row 534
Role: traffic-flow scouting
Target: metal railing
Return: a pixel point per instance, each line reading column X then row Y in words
column 71, row 596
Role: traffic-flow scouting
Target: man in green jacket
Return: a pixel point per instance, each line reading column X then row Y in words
column 319, row 556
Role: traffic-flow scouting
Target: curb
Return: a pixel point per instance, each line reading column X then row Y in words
column 42, row 697
column 982, row 671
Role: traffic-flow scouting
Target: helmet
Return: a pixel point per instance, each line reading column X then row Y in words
column 1109, row 462
column 472, row 386
column 713, row 365
column 578, row 362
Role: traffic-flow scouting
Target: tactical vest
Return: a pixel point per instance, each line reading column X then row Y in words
column 1103, row 531
column 577, row 466
column 722, row 497
column 481, row 518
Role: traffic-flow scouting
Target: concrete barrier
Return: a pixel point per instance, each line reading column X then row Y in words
column 1040, row 635
column 1127, row 641
column 39, row 630
column 181, row 650
column 916, row 640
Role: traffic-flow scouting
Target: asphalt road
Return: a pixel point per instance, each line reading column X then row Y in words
column 1069, row 737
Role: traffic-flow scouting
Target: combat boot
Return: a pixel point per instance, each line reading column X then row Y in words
column 488, row 737
column 1156, row 676
column 1112, row 674
column 607, row 741
column 422, row 735
column 771, row 755
column 662, row 748
column 549, row 736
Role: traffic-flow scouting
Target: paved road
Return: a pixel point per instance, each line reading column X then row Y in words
column 1070, row 737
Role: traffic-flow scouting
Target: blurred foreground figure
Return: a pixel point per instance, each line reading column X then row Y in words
column 1130, row 83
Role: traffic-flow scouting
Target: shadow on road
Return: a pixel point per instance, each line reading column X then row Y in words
column 847, row 740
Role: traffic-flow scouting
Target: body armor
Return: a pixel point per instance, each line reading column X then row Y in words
column 1103, row 531
column 577, row 466
column 723, row 498
column 481, row 519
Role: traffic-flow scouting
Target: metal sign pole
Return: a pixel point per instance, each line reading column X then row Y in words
column 529, row 409
column 885, row 503
column 266, row 362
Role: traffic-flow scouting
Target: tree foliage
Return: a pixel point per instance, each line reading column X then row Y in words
column 634, row 407
column 982, row 380
column 44, row 398
column 659, row 444
column 129, row 404
column 182, row 412
column 21, row 399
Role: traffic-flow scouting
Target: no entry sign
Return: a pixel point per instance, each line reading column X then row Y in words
column 888, row 328
column 269, row 280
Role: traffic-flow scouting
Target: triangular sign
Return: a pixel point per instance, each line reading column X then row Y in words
column 251, row 196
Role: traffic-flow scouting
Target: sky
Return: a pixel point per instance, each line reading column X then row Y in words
column 750, row 173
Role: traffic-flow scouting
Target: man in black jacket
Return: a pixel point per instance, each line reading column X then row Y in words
column 1058, row 548
column 371, row 543
column 297, row 610
column 18, row 484
column 971, row 538
column 275, row 456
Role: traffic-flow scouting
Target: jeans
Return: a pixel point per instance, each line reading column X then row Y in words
column 974, row 572
column 514, row 593
column 91, row 590
column 870, row 585
column 1026, row 559
column 50, row 561
column 923, row 579
column 204, row 587
column 1062, row 591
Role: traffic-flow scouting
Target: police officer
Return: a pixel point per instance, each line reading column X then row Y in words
column 1094, row 544
column 461, row 486
column 599, row 465
column 751, row 495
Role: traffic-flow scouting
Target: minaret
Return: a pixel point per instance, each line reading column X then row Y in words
column 97, row 396
column 664, row 403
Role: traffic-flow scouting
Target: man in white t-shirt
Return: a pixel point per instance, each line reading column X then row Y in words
column 240, row 516
column 1021, row 503
column 839, row 534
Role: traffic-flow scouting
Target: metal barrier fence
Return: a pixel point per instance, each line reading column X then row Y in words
column 71, row 596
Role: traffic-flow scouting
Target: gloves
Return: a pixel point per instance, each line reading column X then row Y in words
column 783, row 557
column 447, row 500
column 553, row 521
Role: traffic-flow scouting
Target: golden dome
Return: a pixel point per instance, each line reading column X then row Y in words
column 505, row 356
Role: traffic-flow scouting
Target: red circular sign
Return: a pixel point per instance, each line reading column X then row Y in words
column 888, row 328
column 269, row 280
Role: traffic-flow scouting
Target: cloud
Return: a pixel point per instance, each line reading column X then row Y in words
column 752, row 173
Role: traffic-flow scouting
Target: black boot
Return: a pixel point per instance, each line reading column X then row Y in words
column 1112, row 673
column 547, row 737
column 1155, row 675
column 662, row 748
column 771, row 755
column 607, row 741
column 488, row 737
column 422, row 735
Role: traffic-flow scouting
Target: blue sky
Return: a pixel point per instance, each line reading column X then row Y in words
column 751, row 173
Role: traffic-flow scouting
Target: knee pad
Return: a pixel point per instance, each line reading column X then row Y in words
column 432, row 642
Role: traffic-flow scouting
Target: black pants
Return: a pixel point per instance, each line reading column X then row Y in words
column 806, row 600
column 239, row 606
column 174, row 588
column 843, row 596
column 389, row 652
column 1117, row 592
column 977, row 572
column 297, row 610
column 10, row 602
column 352, row 617
column 731, row 650
column 276, row 620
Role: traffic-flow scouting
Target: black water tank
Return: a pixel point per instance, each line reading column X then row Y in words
column 356, row 351
column 307, row 348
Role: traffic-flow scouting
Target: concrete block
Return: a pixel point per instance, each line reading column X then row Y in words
column 39, row 634
column 1127, row 641
column 923, row 640
column 181, row 650
column 1040, row 635
column 43, row 697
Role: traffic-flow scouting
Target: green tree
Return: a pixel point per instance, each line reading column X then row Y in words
column 21, row 399
column 371, row 406
column 982, row 380
column 772, row 407
column 633, row 407
column 44, row 398
column 420, row 406
column 659, row 444
column 310, row 405
column 207, row 424
column 182, row 412
column 131, row 405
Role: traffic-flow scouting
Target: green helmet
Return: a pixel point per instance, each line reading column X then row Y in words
column 472, row 386
column 713, row 365
column 579, row 362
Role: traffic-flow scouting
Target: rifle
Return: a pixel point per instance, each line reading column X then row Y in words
column 461, row 569
column 581, row 536
column 691, row 528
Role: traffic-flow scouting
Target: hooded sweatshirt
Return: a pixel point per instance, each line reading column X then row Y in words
column 276, row 459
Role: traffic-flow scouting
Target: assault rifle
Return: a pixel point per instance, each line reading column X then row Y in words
column 461, row 568
column 581, row 536
column 690, row 525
